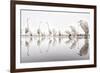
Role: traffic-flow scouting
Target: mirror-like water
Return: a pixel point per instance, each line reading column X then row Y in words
column 47, row 49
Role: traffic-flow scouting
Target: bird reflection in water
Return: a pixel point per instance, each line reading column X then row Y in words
column 58, row 40
column 54, row 38
column 27, row 46
column 84, row 49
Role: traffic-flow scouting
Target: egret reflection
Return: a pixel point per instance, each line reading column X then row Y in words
column 67, row 45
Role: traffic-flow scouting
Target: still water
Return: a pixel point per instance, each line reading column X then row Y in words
column 48, row 49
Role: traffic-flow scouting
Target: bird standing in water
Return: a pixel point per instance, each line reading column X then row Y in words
column 27, row 27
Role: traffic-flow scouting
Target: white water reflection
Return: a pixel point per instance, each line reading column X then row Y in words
column 58, row 48
column 54, row 36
